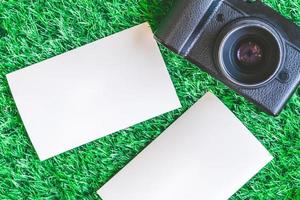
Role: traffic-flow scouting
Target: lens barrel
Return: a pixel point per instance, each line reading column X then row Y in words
column 249, row 52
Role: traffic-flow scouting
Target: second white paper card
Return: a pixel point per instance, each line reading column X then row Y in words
column 207, row 154
column 92, row 91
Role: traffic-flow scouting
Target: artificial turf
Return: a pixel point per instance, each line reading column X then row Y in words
column 31, row 31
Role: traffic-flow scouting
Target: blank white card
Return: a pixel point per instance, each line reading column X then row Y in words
column 206, row 154
column 92, row 91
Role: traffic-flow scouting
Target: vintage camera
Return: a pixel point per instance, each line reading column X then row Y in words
column 245, row 44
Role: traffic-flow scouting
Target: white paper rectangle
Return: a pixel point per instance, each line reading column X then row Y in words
column 92, row 91
column 206, row 154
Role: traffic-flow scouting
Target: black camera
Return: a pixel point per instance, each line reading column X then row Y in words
column 245, row 44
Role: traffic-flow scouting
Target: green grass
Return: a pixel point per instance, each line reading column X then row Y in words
column 32, row 31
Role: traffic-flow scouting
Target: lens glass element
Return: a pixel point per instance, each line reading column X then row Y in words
column 249, row 53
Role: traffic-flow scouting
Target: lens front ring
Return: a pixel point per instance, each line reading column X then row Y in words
column 225, row 64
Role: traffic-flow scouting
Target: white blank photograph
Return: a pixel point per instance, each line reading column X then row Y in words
column 93, row 91
column 207, row 154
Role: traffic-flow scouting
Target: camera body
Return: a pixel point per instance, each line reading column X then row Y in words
column 246, row 45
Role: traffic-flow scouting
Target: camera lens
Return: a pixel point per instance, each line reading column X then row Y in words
column 249, row 52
